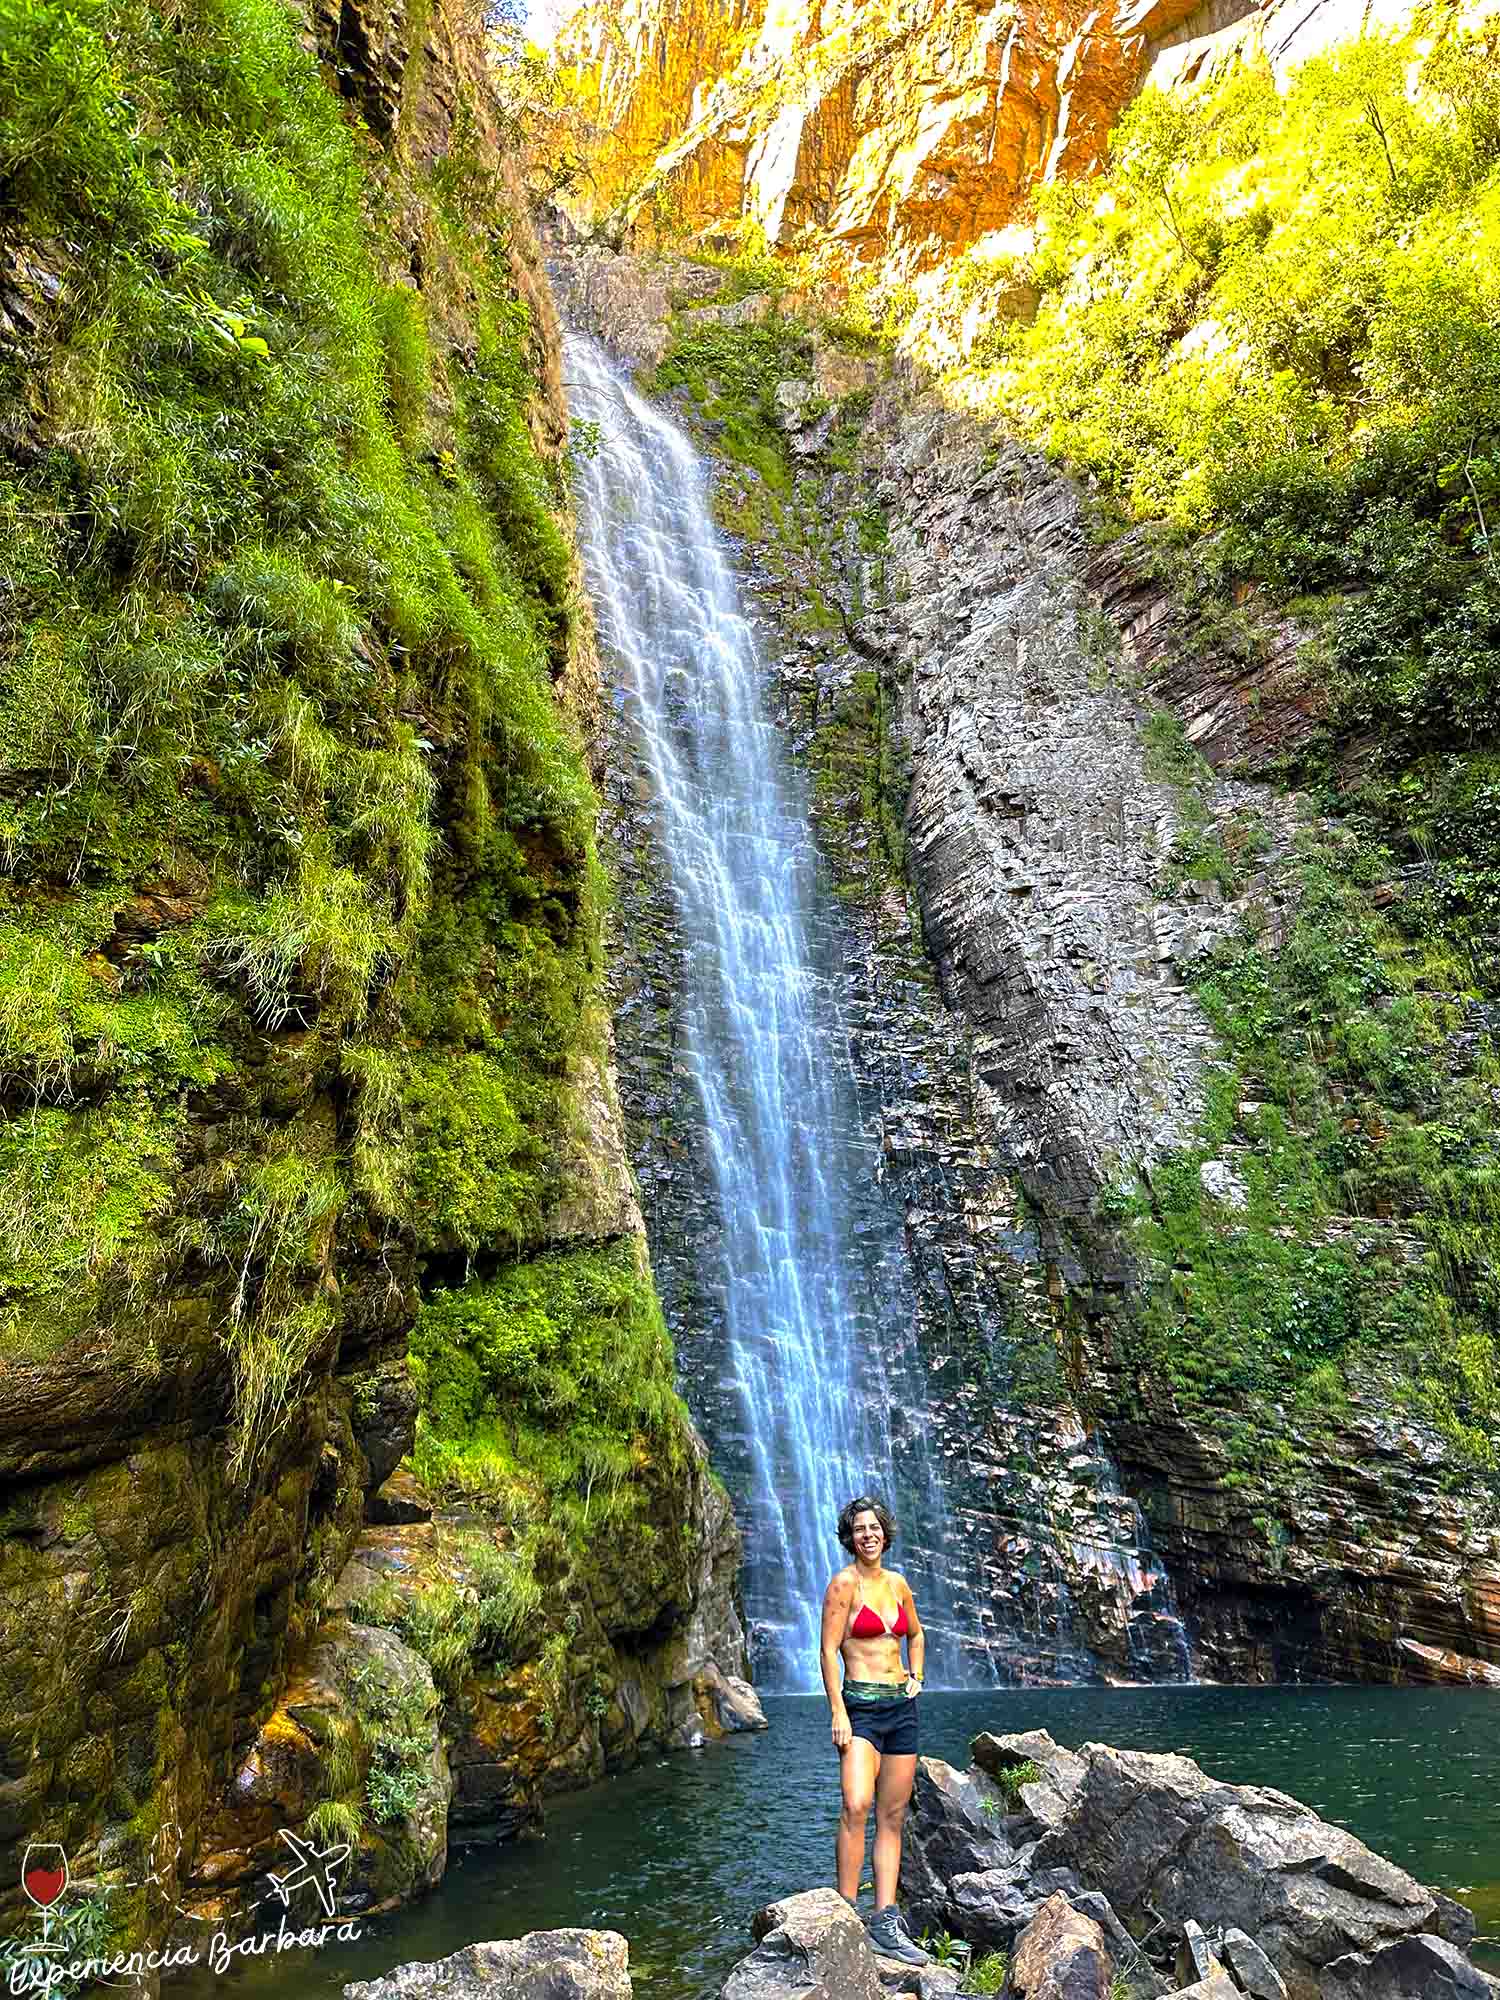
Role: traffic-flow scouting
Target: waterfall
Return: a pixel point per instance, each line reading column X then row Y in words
column 807, row 1259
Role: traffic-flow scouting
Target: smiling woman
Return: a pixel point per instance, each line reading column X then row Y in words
column 867, row 1612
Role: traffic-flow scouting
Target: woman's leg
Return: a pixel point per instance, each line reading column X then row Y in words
column 892, row 1795
column 859, row 1762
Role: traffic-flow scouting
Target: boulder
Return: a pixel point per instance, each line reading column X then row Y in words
column 1061, row 1955
column 729, row 1702
column 1047, row 1798
column 953, row 1827
column 1194, row 1959
column 992, row 1907
column 1141, row 1979
column 543, row 1965
column 1217, row 1986
column 811, row 1947
column 398, row 1500
column 921, row 1982
column 1230, row 1855
column 1252, row 1971
column 1425, row 1967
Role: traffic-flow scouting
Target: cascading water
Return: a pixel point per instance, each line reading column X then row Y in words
column 810, row 1272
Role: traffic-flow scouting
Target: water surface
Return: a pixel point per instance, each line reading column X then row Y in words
column 680, row 1853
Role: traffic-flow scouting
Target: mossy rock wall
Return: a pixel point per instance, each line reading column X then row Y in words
column 300, row 918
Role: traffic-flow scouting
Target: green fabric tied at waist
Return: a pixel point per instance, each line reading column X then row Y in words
column 866, row 1692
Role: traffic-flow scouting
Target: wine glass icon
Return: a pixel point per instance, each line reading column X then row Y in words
column 44, row 1876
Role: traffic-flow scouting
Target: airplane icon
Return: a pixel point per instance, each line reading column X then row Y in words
column 314, row 1865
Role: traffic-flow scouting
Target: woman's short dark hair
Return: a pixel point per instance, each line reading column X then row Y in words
column 865, row 1505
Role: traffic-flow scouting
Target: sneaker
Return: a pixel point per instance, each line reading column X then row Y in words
column 889, row 1936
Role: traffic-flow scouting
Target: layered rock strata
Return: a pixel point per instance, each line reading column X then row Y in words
column 1000, row 670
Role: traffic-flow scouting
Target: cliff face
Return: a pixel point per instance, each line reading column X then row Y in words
column 998, row 716
column 891, row 135
column 303, row 1043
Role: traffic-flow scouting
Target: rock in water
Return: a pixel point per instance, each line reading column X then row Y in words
column 543, row 1965
column 1306, row 1911
column 812, row 1947
column 731, row 1702
column 1060, row 1955
column 1414, row 1968
column 1226, row 1855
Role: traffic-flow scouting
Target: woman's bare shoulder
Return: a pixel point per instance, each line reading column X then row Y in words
column 841, row 1582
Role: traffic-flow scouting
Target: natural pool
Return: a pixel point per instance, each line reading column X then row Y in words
column 680, row 1853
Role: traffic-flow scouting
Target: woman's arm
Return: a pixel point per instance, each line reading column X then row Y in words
column 835, row 1617
column 916, row 1639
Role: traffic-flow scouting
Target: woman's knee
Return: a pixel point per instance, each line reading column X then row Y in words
column 854, row 1813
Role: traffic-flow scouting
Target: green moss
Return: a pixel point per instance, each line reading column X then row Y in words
column 547, row 1386
column 730, row 374
column 281, row 751
column 1355, row 1127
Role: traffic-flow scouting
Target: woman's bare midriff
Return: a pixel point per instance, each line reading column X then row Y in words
column 877, row 1659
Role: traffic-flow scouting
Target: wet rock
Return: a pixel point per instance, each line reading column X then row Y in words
column 399, row 1499
column 1453, row 1921
column 1061, row 1955
column 812, row 1947
column 384, row 1416
column 543, row 1965
column 730, row 1702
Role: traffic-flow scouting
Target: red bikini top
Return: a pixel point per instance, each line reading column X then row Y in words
column 867, row 1623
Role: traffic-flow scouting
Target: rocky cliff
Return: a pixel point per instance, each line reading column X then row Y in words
column 312, row 1155
column 999, row 717
column 889, row 135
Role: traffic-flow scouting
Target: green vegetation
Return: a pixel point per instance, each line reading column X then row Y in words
column 1272, row 331
column 1363, row 1135
column 453, row 1624
column 547, row 1388
column 1011, row 1779
column 730, row 373
column 336, row 1820
column 985, row 1975
column 1290, row 341
column 280, row 764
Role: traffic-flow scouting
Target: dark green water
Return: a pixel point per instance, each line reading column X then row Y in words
column 678, row 1854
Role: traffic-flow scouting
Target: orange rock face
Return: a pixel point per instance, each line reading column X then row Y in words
column 884, row 128
column 887, row 130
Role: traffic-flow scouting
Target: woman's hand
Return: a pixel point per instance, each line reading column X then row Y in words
column 843, row 1735
column 913, row 1686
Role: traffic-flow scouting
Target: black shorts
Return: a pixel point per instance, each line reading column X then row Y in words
column 890, row 1725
